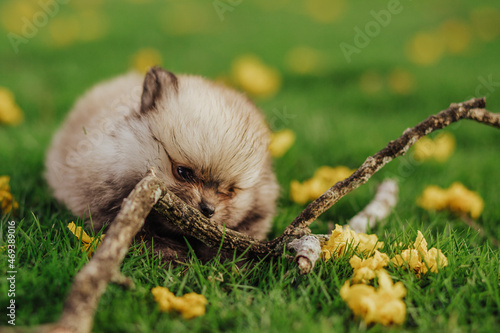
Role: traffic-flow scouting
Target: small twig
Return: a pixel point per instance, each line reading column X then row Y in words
column 308, row 249
column 378, row 209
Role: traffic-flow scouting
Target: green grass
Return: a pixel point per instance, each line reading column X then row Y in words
column 336, row 124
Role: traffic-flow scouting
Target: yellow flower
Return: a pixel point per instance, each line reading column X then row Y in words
column 89, row 244
column 10, row 113
column 457, row 198
column 95, row 23
column 401, row 81
column 255, row 77
column 190, row 305
column 383, row 305
column 7, row 202
column 456, row 35
column 305, row 60
column 440, row 149
column 341, row 238
column 421, row 260
column 324, row 178
column 433, row 198
column 425, row 48
column 65, row 30
column 281, row 141
column 146, row 58
column 486, row 22
column 463, row 200
column 299, row 193
column 325, row 11
column 366, row 269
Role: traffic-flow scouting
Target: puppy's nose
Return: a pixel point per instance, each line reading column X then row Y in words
column 207, row 209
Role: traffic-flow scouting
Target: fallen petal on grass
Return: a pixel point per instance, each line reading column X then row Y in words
column 382, row 305
column 189, row 306
column 457, row 198
column 341, row 238
column 7, row 201
column 419, row 259
column 89, row 244
column 281, row 142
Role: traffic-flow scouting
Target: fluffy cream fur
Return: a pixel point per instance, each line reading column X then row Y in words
column 121, row 128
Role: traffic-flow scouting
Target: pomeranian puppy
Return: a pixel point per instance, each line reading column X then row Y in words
column 207, row 142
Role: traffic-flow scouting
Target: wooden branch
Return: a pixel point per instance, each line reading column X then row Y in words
column 472, row 109
column 90, row 283
column 193, row 223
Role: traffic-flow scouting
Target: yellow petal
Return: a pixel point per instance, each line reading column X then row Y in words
column 325, row 11
column 89, row 244
column 281, row 142
column 440, row 148
column 10, row 113
column 4, row 183
column 401, row 81
column 384, row 305
column 7, row 201
column 462, row 200
column 255, row 77
column 425, row 48
column 298, row 192
column 456, row 35
column 456, row 198
column 342, row 237
column 393, row 312
column 339, row 240
column 375, row 262
column 435, row 260
column 332, row 175
column 421, row 260
column 420, row 243
column 363, row 275
column 324, row 178
column 316, row 187
column 369, row 243
column 433, row 198
column 189, row 306
column 79, row 233
column 486, row 22
column 409, row 257
column 423, row 149
column 444, row 145
column 146, row 58
column 305, row 60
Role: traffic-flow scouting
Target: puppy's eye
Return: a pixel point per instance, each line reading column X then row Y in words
column 227, row 194
column 184, row 173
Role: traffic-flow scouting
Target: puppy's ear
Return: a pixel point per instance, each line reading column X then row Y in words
column 157, row 84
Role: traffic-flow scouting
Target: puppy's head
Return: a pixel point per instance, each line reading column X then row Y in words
column 210, row 143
